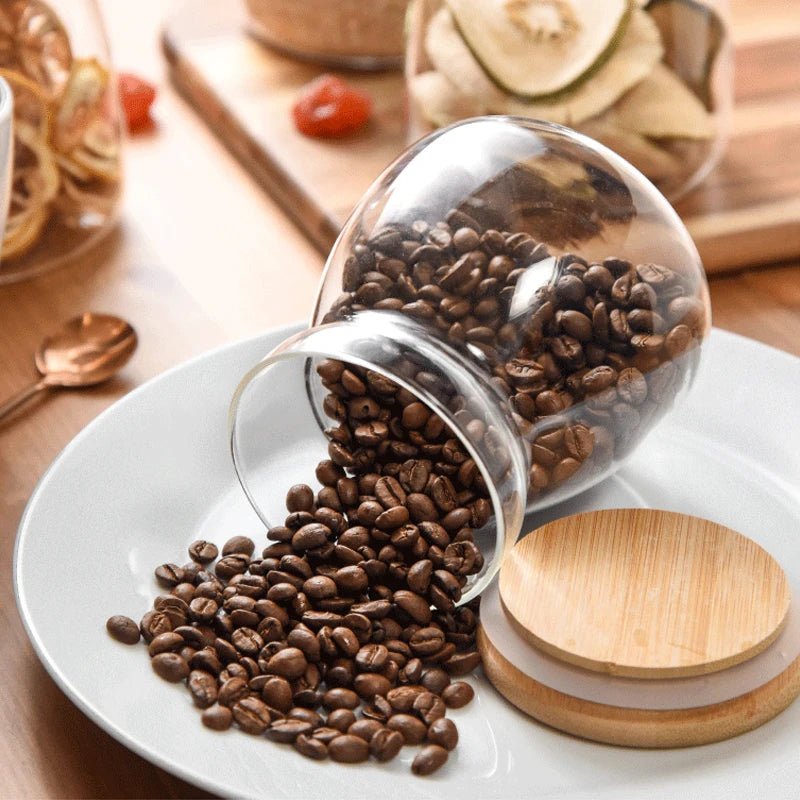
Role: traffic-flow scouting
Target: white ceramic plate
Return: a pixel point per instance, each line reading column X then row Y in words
column 154, row 472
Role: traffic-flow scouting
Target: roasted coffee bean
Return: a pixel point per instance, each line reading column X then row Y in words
column 286, row 731
column 428, row 707
column 232, row 690
column 320, row 587
column 348, row 749
column 289, row 663
column 123, row 629
column 229, row 566
column 402, row 698
column 310, row 747
column 429, row 759
column 463, row 663
column 369, row 684
column 239, row 544
column 202, row 551
column 171, row 667
column 351, row 580
column 443, row 732
column 170, row 642
column 340, row 698
column 346, row 641
column 300, row 498
column 385, row 744
column 457, row 694
column 414, row 605
column 365, row 728
column 251, row 715
column 169, row 575
column 412, row 729
column 310, row 536
column 341, row 719
column 427, row 641
column 217, row 718
column 372, row 657
column 277, row 693
column 203, row 688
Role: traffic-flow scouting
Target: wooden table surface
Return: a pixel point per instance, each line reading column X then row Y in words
column 202, row 257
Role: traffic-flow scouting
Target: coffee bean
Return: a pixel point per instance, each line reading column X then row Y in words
column 429, row 759
column 251, row 715
column 412, row 729
column 340, row 698
column 389, row 493
column 427, row 641
column 171, row 667
column 463, row 663
column 239, row 545
column 217, row 718
column 365, row 728
column 289, row 663
column 169, row 575
column 429, row 707
column 123, row 629
column 414, row 605
column 348, row 749
column 443, row 732
column 202, row 551
column 169, row 642
column 457, row 694
column 286, row 731
column 310, row 536
column 310, row 747
column 320, row 587
column 203, row 688
column 341, row 719
column 300, row 498
column 277, row 693
column 385, row 744
column 369, row 684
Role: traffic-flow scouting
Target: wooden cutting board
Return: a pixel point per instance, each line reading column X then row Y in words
column 746, row 213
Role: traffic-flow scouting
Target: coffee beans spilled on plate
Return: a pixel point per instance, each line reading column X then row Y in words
column 343, row 638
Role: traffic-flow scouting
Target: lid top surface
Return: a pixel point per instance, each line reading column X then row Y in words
column 644, row 593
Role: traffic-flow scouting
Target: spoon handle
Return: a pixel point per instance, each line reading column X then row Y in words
column 20, row 397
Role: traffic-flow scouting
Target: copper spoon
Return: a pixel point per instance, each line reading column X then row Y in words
column 86, row 351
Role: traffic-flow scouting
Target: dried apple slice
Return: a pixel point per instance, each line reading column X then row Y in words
column 537, row 48
column 440, row 102
column 637, row 54
column 80, row 104
column 31, row 102
column 662, row 106
column 693, row 35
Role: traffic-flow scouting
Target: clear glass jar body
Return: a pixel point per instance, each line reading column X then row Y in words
column 342, row 33
column 661, row 99
column 527, row 285
column 68, row 132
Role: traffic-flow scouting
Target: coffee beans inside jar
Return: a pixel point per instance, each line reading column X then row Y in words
column 586, row 355
column 343, row 637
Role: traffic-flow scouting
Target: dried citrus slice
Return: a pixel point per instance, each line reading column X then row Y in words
column 81, row 103
column 31, row 138
column 537, row 48
column 42, row 46
column 31, row 102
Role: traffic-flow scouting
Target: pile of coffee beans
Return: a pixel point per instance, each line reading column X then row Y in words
column 587, row 361
column 343, row 638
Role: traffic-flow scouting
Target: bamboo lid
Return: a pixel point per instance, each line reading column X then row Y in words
column 644, row 593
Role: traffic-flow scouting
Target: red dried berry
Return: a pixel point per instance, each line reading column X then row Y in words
column 328, row 107
column 136, row 96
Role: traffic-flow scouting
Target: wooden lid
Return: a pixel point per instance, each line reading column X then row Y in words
column 644, row 593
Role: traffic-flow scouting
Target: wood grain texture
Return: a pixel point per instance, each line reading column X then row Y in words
column 203, row 257
column 746, row 212
column 639, row 727
column 644, row 593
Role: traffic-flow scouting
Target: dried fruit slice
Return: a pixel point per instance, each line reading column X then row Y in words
column 536, row 48
column 328, row 107
column 693, row 35
column 31, row 102
column 137, row 96
column 662, row 106
column 440, row 101
column 42, row 46
column 646, row 156
column 638, row 52
column 81, row 103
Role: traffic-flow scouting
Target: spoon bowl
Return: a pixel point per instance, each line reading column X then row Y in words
column 87, row 350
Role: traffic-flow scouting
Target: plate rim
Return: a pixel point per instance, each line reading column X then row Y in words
column 52, row 668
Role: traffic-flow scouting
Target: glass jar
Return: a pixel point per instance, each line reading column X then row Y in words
column 654, row 83
column 341, row 33
column 528, row 286
column 67, row 173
